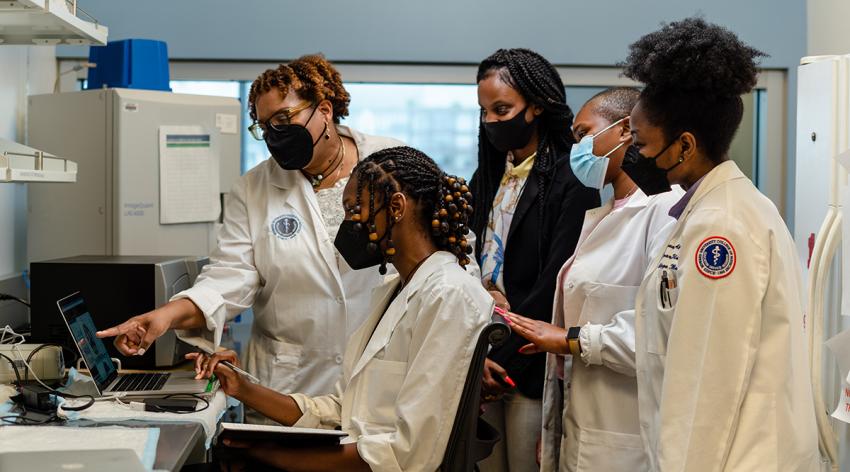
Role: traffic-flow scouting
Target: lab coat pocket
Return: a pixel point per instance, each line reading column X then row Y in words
column 603, row 301
column 658, row 327
column 282, row 364
column 608, row 450
column 378, row 390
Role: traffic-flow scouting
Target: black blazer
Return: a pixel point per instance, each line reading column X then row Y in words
column 534, row 254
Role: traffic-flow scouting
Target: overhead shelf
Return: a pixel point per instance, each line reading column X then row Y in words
column 19, row 163
column 48, row 22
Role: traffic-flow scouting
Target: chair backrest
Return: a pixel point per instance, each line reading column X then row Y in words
column 472, row 439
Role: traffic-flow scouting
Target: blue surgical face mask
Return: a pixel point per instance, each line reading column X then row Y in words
column 589, row 168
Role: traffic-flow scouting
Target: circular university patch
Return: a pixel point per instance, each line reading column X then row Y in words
column 715, row 257
column 286, row 226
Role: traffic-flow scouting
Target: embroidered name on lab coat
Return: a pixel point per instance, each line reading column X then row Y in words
column 715, row 257
column 670, row 258
column 286, row 226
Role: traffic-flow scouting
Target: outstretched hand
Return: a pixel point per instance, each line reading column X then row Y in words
column 134, row 336
column 544, row 337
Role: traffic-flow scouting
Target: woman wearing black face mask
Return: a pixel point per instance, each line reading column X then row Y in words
column 722, row 367
column 529, row 213
column 276, row 252
column 405, row 367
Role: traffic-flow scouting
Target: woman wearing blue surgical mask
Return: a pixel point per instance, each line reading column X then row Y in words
column 590, row 419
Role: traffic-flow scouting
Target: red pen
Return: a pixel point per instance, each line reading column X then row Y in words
column 510, row 381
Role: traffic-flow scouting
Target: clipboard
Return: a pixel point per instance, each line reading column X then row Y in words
column 284, row 435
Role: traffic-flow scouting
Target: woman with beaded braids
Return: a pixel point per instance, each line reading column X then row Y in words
column 722, row 365
column 397, row 399
column 529, row 213
column 275, row 250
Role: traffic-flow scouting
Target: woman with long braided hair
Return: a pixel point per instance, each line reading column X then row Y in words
column 529, row 213
column 397, row 399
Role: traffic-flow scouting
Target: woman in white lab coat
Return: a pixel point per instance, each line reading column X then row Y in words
column 405, row 368
column 590, row 418
column 723, row 382
column 275, row 250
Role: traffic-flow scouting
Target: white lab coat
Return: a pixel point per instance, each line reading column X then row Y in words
column 723, row 377
column 402, row 383
column 592, row 424
column 274, row 254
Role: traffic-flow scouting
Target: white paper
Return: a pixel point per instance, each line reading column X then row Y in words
column 281, row 429
column 226, row 123
column 188, row 175
column 840, row 347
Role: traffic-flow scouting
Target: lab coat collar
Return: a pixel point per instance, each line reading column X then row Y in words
column 391, row 313
column 286, row 179
column 722, row 173
column 593, row 216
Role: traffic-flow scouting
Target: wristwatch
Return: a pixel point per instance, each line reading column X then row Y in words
column 572, row 341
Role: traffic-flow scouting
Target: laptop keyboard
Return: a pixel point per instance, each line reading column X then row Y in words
column 140, row 382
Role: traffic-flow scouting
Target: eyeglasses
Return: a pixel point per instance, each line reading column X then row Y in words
column 278, row 121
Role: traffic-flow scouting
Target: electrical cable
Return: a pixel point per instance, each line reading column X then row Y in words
column 7, row 335
column 6, row 296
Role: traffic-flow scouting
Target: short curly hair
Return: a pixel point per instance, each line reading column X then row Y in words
column 312, row 77
column 695, row 73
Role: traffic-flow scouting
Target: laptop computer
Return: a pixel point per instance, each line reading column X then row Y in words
column 106, row 378
column 106, row 460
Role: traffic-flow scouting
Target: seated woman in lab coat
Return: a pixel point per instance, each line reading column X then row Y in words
column 404, row 369
column 595, row 300
column 275, row 249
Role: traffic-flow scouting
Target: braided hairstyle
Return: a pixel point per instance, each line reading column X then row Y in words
column 537, row 80
column 695, row 73
column 312, row 77
column 444, row 200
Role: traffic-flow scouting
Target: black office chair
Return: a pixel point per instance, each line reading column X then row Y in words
column 472, row 439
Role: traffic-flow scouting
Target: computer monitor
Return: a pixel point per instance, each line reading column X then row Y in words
column 115, row 288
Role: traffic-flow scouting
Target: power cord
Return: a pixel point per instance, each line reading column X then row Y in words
column 6, row 296
column 9, row 336
column 34, row 351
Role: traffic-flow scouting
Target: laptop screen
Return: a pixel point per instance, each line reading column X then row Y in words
column 82, row 328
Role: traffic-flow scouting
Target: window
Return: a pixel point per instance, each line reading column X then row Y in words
column 439, row 119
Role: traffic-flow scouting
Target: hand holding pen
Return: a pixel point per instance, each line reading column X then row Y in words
column 225, row 366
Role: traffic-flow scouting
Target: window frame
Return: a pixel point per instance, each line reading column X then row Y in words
column 771, row 169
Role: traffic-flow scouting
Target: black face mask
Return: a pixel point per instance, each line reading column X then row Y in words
column 292, row 146
column 510, row 134
column 644, row 171
column 353, row 243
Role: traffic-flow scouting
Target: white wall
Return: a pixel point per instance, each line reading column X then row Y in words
column 25, row 71
column 827, row 27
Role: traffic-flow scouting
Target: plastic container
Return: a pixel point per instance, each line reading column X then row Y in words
column 130, row 63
